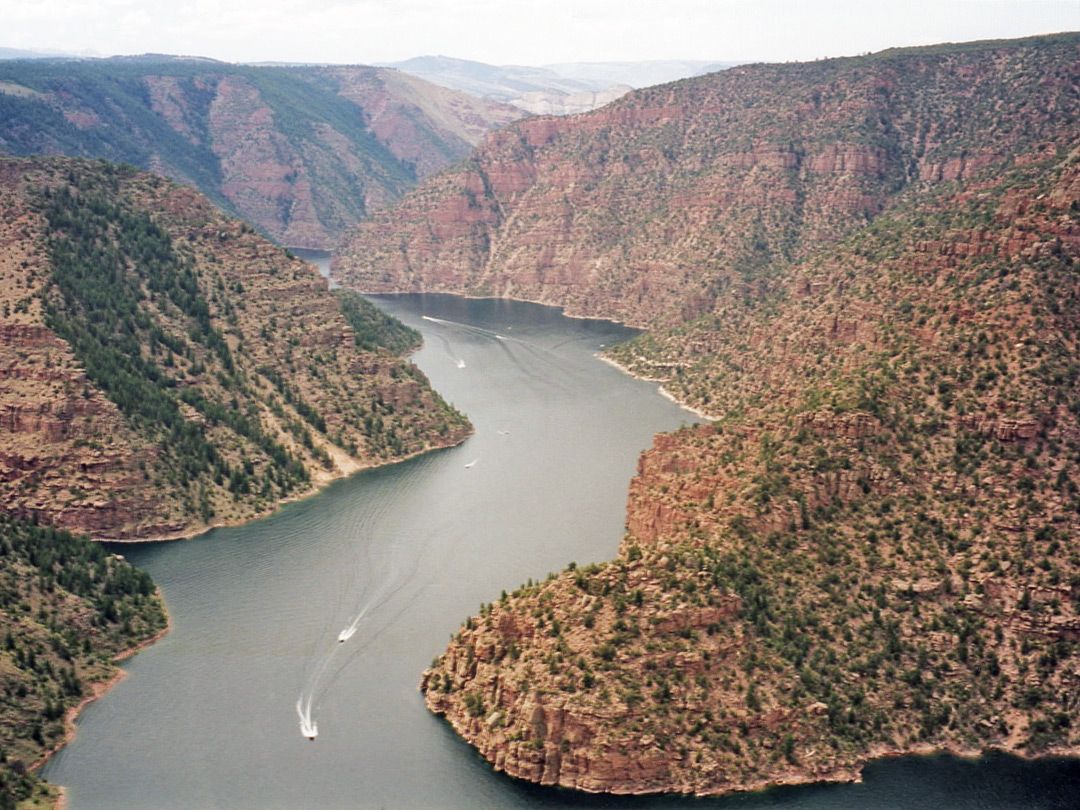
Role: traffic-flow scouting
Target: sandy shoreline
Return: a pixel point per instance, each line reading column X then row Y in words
column 708, row 417
column 315, row 489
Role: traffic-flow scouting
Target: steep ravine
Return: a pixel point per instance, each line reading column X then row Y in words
column 301, row 153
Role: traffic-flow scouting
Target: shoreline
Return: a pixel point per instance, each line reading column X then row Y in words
column 98, row 689
column 566, row 314
column 846, row 773
column 708, row 417
column 851, row 773
column 315, row 489
column 563, row 308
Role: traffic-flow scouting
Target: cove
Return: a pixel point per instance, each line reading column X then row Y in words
column 207, row 717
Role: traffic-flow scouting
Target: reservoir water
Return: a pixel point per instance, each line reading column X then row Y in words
column 207, row 717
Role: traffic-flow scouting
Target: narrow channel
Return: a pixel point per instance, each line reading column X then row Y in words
column 208, row 717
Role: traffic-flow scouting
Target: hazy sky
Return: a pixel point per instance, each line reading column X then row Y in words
column 518, row 31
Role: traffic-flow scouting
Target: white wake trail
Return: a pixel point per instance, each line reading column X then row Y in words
column 308, row 727
column 350, row 631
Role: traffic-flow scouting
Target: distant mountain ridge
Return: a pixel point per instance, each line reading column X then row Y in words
column 557, row 89
column 21, row 53
column 300, row 152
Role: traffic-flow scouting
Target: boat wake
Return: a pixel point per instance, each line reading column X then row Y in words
column 350, row 631
column 389, row 591
column 308, row 727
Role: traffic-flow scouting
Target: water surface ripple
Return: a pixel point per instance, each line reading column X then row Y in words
column 207, row 717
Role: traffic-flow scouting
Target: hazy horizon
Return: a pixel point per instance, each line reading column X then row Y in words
column 531, row 33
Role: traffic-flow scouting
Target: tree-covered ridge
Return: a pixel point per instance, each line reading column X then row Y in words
column 235, row 377
column 870, row 551
column 373, row 328
column 297, row 151
column 112, row 266
column 67, row 608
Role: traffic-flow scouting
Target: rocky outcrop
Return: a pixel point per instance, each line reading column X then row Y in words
column 869, row 551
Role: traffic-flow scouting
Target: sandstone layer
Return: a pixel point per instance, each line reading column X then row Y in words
column 205, row 375
column 301, row 153
column 871, row 550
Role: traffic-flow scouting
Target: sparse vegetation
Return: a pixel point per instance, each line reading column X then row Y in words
column 863, row 553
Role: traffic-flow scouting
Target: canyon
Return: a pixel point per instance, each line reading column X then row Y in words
column 864, row 272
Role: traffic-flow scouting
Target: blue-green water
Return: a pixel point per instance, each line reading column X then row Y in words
column 207, row 717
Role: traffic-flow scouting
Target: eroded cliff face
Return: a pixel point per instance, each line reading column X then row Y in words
column 303, row 191
column 263, row 174
column 426, row 126
column 641, row 210
column 204, row 376
column 301, row 153
column 869, row 552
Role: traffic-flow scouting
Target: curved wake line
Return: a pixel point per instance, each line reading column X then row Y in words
column 330, row 665
column 308, row 727
column 478, row 330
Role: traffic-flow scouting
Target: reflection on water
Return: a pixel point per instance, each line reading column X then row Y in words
column 341, row 600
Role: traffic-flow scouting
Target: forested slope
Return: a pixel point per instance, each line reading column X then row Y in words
column 300, row 152
column 67, row 609
column 167, row 369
